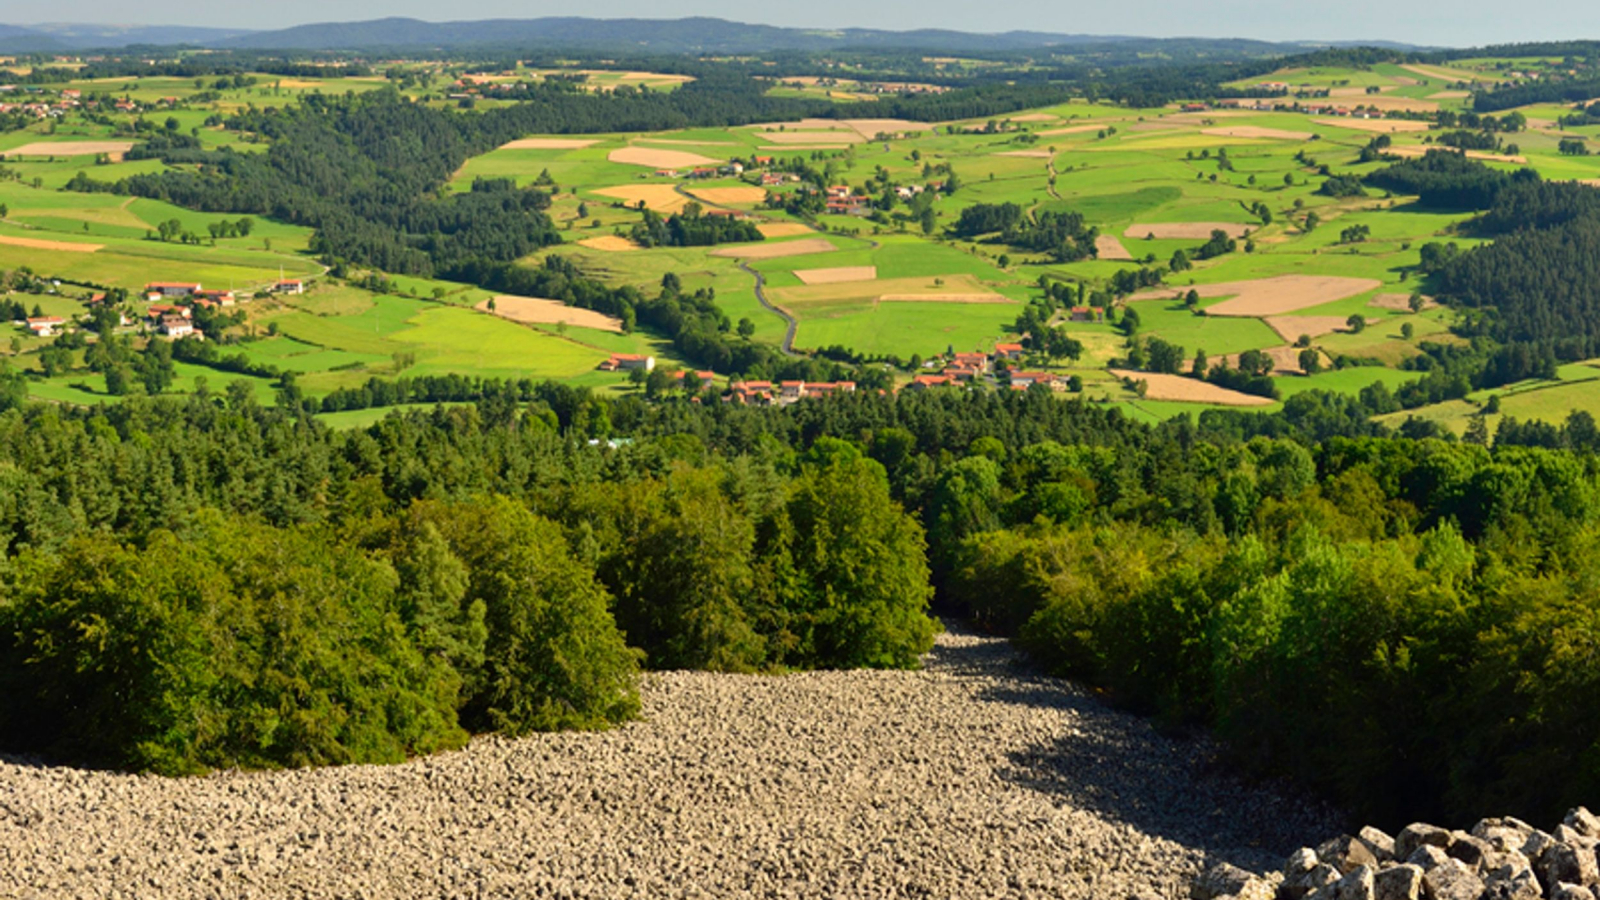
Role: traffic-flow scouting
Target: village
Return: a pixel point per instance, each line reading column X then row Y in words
column 171, row 308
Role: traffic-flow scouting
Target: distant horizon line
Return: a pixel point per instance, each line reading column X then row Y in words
column 759, row 24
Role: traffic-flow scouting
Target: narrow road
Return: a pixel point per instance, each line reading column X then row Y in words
column 761, row 295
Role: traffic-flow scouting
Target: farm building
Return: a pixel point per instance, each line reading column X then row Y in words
column 1008, row 351
column 1029, row 379
column 705, row 378
column 46, row 326
column 172, row 288
column 622, row 362
column 177, row 327
column 750, row 393
column 927, row 382
column 218, row 298
column 291, row 286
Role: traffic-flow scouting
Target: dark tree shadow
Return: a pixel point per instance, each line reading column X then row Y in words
column 1117, row 765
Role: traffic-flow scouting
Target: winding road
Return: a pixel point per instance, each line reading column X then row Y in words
column 761, row 295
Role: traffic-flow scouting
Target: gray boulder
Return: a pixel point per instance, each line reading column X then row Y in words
column 1452, row 880
column 1420, row 834
column 1507, row 865
column 1470, row 850
column 1299, row 863
column 1505, row 833
column 1224, row 880
column 1522, row 887
column 1403, row 882
column 1347, row 854
column 1568, row 863
column 1307, row 884
column 1381, row 844
column 1583, row 822
column 1428, row 857
column 1356, row 885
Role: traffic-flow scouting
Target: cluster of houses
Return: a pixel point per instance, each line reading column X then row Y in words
column 169, row 319
column 783, row 393
column 968, row 368
column 42, row 103
column 841, row 202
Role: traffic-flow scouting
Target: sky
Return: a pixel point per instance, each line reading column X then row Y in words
column 1430, row 22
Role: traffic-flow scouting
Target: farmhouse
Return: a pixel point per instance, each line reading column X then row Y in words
column 1084, row 314
column 622, row 362
column 177, row 327
column 925, row 382
column 750, row 393
column 1029, row 379
column 977, row 362
column 705, row 379
column 46, row 326
column 1009, row 352
column 292, row 286
column 215, row 298
column 172, row 288
column 159, row 311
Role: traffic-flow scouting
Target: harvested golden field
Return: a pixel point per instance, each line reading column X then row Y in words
column 659, row 159
column 776, row 250
column 657, row 197
column 39, row 244
column 1399, row 302
column 1471, row 154
column 534, row 311
column 954, row 289
column 609, row 242
column 837, row 136
column 1285, row 360
column 1107, row 246
column 1027, row 154
column 1290, row 328
column 1189, row 390
column 771, row 149
column 546, row 143
column 1270, row 296
column 1073, row 129
column 1034, row 117
column 1184, row 230
column 1381, row 126
column 837, row 274
column 784, row 229
column 871, row 128
column 730, row 194
column 1255, row 131
column 70, row 148
column 976, row 297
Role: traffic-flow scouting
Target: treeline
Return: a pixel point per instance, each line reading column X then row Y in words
column 692, row 228
column 1405, row 626
column 1545, row 90
column 1444, row 178
column 250, row 622
column 372, row 594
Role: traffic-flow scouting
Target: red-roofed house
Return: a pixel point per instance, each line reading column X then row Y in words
column 45, row 326
column 1029, row 379
column 291, row 286
column 925, row 382
column 218, row 298
column 628, row 361
column 751, row 393
column 1008, row 351
column 978, row 362
column 706, row 379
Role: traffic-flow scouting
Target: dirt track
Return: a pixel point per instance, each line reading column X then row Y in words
column 971, row 779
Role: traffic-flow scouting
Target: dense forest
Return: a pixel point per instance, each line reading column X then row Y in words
column 495, row 567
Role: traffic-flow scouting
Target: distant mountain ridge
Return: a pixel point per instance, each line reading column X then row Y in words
column 688, row 35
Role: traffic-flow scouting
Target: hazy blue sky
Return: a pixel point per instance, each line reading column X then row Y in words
column 1443, row 22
